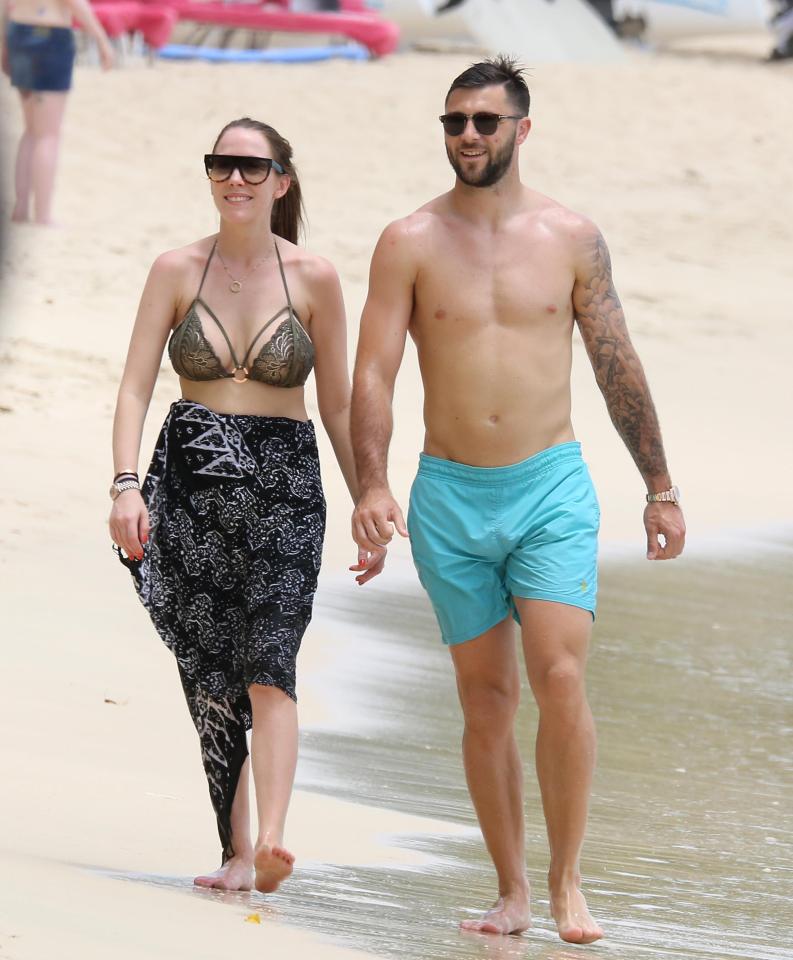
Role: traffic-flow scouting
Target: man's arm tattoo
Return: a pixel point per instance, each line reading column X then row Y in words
column 618, row 370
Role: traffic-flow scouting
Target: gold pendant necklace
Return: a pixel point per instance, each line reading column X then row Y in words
column 236, row 285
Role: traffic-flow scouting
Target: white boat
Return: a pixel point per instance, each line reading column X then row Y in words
column 535, row 31
column 538, row 31
column 669, row 20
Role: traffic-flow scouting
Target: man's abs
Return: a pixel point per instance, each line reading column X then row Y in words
column 495, row 350
column 493, row 416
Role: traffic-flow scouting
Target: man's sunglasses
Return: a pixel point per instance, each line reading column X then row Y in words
column 485, row 123
column 220, row 166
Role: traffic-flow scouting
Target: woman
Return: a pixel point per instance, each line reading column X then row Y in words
column 38, row 56
column 224, row 540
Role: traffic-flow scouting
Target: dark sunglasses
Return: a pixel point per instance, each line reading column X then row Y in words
column 485, row 123
column 220, row 166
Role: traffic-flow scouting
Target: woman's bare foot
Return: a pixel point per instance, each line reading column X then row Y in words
column 573, row 919
column 235, row 874
column 510, row 914
column 272, row 865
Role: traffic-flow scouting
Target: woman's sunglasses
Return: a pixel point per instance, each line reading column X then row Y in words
column 485, row 123
column 220, row 166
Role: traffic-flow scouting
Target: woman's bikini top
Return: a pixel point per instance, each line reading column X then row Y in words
column 285, row 360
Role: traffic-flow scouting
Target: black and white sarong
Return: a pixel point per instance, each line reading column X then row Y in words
column 228, row 576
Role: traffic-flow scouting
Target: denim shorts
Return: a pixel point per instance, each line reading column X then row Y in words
column 40, row 58
column 481, row 536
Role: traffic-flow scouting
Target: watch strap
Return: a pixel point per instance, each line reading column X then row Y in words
column 119, row 486
column 672, row 495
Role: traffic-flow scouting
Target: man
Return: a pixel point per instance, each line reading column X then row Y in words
column 489, row 279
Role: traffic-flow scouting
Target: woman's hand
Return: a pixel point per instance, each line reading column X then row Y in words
column 370, row 564
column 129, row 523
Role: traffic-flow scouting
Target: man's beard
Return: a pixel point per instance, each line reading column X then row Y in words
column 494, row 170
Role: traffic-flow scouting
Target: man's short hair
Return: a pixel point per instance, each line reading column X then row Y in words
column 497, row 71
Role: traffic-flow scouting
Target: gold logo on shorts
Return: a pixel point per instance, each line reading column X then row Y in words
column 584, row 585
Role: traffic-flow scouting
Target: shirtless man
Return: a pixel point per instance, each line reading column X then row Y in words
column 489, row 280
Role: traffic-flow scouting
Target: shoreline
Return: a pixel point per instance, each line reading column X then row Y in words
column 381, row 818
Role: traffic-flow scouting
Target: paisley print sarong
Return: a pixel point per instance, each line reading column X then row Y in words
column 228, row 576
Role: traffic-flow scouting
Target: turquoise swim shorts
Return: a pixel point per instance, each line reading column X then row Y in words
column 483, row 535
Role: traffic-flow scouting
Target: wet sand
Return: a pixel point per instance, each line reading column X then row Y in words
column 690, row 849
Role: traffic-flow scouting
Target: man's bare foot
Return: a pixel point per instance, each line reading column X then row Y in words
column 272, row 865
column 573, row 919
column 235, row 874
column 19, row 216
column 510, row 914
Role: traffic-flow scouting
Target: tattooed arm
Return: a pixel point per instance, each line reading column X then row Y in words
column 622, row 382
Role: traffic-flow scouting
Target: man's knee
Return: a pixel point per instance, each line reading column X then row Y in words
column 559, row 683
column 489, row 705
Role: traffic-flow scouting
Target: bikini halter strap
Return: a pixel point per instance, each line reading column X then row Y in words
column 283, row 279
column 206, row 268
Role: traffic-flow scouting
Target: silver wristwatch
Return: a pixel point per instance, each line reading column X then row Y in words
column 119, row 486
column 672, row 495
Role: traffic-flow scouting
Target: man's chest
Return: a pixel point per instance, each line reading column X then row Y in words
column 474, row 285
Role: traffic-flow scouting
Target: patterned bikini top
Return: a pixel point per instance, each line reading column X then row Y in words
column 285, row 360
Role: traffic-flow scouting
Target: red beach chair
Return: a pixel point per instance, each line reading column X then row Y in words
column 379, row 36
column 155, row 21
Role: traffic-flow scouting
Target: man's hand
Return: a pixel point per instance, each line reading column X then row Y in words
column 369, row 564
column 376, row 516
column 666, row 530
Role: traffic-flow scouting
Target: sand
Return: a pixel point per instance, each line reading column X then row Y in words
column 683, row 160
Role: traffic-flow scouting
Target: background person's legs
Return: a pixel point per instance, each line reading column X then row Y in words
column 43, row 120
column 555, row 642
column 22, row 169
column 488, row 683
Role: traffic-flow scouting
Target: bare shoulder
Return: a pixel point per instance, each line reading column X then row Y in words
column 407, row 231
column 180, row 264
column 405, row 242
column 580, row 236
column 175, row 276
column 315, row 272
column 566, row 223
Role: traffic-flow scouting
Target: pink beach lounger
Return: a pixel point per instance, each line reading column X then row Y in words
column 367, row 28
column 155, row 21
